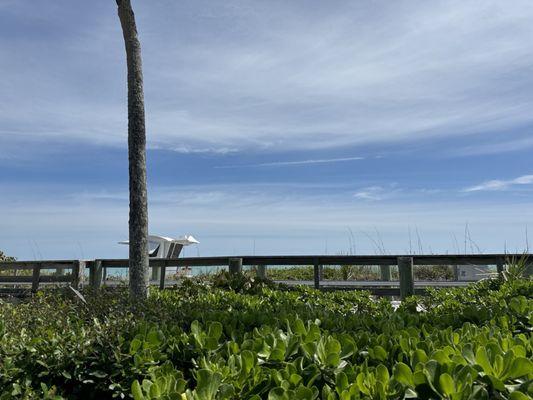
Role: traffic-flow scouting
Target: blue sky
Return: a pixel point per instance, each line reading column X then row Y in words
column 273, row 127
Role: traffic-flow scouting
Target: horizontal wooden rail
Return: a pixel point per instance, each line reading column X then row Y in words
column 452, row 259
column 97, row 268
column 28, row 265
column 42, row 279
column 73, row 278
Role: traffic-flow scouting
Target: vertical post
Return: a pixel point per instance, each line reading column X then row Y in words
column 499, row 268
column 60, row 271
column 235, row 266
column 95, row 275
column 162, row 276
column 91, row 272
column 455, row 273
column 407, row 284
column 35, row 278
column 76, row 267
column 261, row 271
column 81, row 281
column 386, row 274
column 316, row 273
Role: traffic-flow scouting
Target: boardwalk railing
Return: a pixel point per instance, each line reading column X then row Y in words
column 31, row 272
column 98, row 268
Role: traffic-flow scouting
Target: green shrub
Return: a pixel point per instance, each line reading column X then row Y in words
column 201, row 342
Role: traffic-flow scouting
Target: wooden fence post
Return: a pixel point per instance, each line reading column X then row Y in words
column 316, row 274
column 386, row 274
column 162, row 276
column 36, row 278
column 235, row 266
column 76, row 274
column 91, row 273
column 95, row 274
column 500, row 269
column 407, row 284
column 261, row 271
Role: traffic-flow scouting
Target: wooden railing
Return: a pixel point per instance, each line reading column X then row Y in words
column 98, row 268
column 20, row 276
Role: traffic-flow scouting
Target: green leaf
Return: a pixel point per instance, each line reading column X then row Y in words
column 516, row 395
column 16, row 389
column 362, row 384
column 482, row 359
column 135, row 345
column 136, row 391
column 98, row 374
column 248, row 360
column 468, row 354
column 328, row 351
column 295, row 379
column 328, row 393
column 341, row 382
column 299, row 327
column 403, row 374
column 226, row 391
column 153, row 338
column 380, row 353
column 277, row 393
column 207, row 384
column 419, row 356
column 446, row 384
column 348, row 346
column 382, row 374
column 302, row 393
column 521, row 366
column 215, row 330
column 496, row 383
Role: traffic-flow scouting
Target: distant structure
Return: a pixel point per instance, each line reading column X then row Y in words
column 166, row 247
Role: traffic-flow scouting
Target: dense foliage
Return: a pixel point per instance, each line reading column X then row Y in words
column 358, row 272
column 204, row 341
column 5, row 257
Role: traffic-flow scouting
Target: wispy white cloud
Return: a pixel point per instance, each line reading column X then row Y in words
column 501, row 184
column 504, row 146
column 371, row 193
column 325, row 77
column 295, row 162
column 386, row 192
column 197, row 150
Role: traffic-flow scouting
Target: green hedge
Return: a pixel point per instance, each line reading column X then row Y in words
column 257, row 342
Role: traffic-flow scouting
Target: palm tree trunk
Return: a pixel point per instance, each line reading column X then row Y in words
column 138, row 222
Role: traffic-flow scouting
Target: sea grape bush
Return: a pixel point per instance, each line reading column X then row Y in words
column 199, row 342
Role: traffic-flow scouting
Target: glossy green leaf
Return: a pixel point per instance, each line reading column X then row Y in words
column 136, row 391
column 403, row 374
column 446, row 384
column 520, row 367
